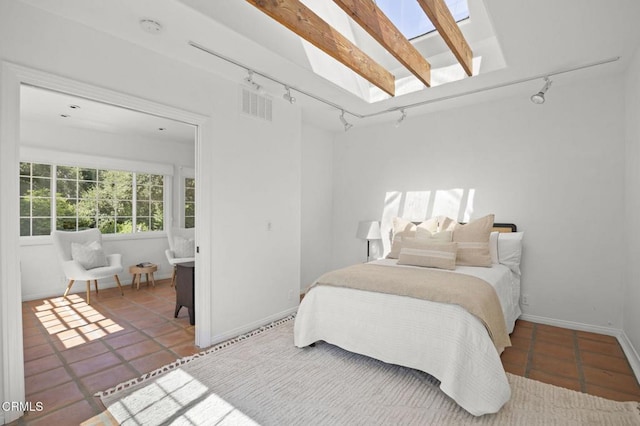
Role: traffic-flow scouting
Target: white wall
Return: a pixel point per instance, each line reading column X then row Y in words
column 251, row 170
column 631, row 326
column 317, row 195
column 556, row 170
column 41, row 273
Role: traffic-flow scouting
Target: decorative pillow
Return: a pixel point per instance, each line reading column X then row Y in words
column 89, row 255
column 510, row 250
column 183, row 247
column 442, row 236
column 424, row 252
column 403, row 228
column 473, row 242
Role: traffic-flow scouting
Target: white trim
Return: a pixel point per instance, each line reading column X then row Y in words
column 11, row 77
column 631, row 353
column 12, row 371
column 608, row 331
column 252, row 326
column 41, row 155
column 628, row 349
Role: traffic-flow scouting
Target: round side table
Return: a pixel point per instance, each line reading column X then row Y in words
column 137, row 272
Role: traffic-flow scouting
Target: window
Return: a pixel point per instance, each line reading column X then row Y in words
column 189, row 203
column 411, row 20
column 88, row 198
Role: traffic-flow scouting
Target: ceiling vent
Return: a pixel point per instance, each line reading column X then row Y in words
column 255, row 104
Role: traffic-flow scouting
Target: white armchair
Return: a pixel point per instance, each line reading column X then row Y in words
column 74, row 270
column 181, row 248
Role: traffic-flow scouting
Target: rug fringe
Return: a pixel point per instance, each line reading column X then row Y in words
column 184, row 360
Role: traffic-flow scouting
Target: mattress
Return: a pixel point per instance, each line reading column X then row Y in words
column 443, row 340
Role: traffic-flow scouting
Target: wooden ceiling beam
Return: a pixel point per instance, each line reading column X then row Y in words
column 304, row 22
column 379, row 26
column 441, row 18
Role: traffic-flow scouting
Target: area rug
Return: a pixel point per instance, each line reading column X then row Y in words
column 263, row 379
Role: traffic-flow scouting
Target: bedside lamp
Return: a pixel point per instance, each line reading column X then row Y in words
column 368, row 230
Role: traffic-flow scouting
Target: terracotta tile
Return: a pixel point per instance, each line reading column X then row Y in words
column 524, row 324
column 611, row 380
column 46, row 379
column 185, row 349
column 73, row 414
column 139, row 349
column 610, row 393
column 33, row 340
column 152, row 362
column 606, row 362
column 520, row 343
column 40, row 365
column 84, row 351
column 522, row 332
column 103, row 419
column 518, row 370
column 108, row 378
column 552, row 365
column 603, row 348
column 550, row 329
column 551, row 336
column 594, row 336
column 38, row 351
column 563, row 352
column 514, row 356
column 32, row 331
column 62, row 395
column 125, row 339
column 150, row 320
column 94, row 364
column 553, row 379
column 160, row 329
column 174, row 338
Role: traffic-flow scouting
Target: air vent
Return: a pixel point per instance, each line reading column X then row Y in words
column 255, row 104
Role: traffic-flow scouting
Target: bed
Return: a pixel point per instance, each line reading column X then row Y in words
column 441, row 339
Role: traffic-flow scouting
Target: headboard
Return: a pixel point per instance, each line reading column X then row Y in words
column 499, row 227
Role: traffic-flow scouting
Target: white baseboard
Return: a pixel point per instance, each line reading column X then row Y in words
column 251, row 326
column 629, row 351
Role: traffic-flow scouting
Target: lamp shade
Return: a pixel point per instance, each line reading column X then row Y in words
column 368, row 230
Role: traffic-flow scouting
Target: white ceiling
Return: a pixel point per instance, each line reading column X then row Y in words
column 53, row 109
column 534, row 38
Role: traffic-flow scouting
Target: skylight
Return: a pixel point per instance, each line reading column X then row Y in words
column 408, row 16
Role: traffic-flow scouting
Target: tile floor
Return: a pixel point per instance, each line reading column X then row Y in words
column 578, row 360
column 73, row 350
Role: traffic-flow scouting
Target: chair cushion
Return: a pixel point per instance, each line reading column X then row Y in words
column 89, row 255
column 184, row 247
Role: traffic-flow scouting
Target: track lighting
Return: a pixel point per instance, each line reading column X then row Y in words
column 402, row 117
column 344, row 122
column 538, row 98
column 287, row 96
column 255, row 86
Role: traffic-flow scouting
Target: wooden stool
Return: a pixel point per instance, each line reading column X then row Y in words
column 137, row 272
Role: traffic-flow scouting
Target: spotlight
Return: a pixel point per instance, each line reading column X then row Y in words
column 255, row 86
column 402, row 117
column 344, row 122
column 538, row 98
column 287, row 96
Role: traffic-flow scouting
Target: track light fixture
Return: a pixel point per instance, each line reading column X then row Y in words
column 344, row 122
column 255, row 86
column 287, row 96
column 538, row 98
column 402, row 117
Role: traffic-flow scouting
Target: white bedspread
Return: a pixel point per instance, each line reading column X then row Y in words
column 443, row 340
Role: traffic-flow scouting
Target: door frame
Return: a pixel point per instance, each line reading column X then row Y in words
column 12, row 76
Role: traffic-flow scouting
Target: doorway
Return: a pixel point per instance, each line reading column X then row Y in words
column 12, row 78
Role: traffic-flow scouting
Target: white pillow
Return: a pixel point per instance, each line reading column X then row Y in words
column 89, row 255
column 510, row 250
column 443, row 236
column 183, row 247
column 493, row 247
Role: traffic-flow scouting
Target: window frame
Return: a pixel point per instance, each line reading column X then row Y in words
column 185, row 173
column 44, row 156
